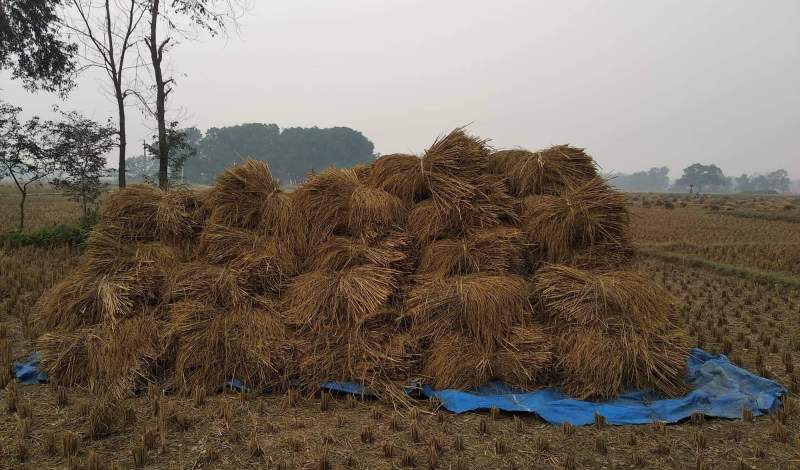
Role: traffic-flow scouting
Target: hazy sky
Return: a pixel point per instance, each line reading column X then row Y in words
column 638, row 83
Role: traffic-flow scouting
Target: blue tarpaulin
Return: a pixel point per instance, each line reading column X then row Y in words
column 28, row 372
column 717, row 389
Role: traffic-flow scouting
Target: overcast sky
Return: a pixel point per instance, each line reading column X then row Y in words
column 638, row 83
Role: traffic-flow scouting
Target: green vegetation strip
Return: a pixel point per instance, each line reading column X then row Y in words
column 759, row 275
column 60, row 235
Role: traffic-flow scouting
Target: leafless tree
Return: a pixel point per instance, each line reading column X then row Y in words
column 182, row 18
column 109, row 31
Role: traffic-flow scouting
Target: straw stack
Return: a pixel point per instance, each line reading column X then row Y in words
column 514, row 262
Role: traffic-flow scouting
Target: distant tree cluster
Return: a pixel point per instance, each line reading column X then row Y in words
column 777, row 181
column 700, row 178
column 703, row 178
column 654, row 180
column 290, row 153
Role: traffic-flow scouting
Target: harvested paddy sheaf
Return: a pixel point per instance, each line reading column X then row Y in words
column 513, row 262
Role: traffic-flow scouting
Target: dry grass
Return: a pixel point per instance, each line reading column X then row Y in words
column 44, row 208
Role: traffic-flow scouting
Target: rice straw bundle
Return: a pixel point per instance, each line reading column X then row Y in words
column 373, row 212
column 427, row 221
column 582, row 217
column 276, row 214
column 107, row 255
column 549, row 171
column 65, row 355
column 213, row 285
column 602, row 257
column 482, row 306
column 179, row 216
column 82, row 300
column 340, row 253
column 133, row 212
column 125, row 356
column 267, row 268
column 323, row 202
column 340, row 298
column 376, row 352
column 216, row 346
column 237, row 197
column 362, row 171
column 615, row 329
column 598, row 363
column 496, row 250
column 457, row 361
column 456, row 154
column 450, row 168
column 220, row 244
column 578, row 297
column 525, row 357
column 399, row 175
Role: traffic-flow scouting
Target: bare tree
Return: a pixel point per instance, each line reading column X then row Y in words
column 212, row 16
column 109, row 29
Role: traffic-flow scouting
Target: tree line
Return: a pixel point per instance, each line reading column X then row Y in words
column 290, row 153
column 697, row 178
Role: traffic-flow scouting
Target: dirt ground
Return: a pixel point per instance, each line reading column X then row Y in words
column 753, row 320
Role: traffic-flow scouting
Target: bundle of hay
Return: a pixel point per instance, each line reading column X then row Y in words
column 337, row 203
column 214, row 345
column 615, row 330
column 549, row 171
column 582, row 217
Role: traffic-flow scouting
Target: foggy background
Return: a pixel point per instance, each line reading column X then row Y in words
column 639, row 84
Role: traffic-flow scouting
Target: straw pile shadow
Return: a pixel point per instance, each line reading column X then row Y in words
column 450, row 269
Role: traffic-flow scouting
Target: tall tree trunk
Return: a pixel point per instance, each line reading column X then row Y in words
column 22, row 209
column 123, row 136
column 156, row 54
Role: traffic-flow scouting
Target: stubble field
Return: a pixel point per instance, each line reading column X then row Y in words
column 733, row 265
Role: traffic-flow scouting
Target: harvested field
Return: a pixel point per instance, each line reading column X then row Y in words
column 756, row 323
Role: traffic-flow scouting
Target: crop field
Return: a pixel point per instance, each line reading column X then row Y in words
column 732, row 263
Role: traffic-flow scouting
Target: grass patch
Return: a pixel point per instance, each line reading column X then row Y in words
column 758, row 275
column 63, row 234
